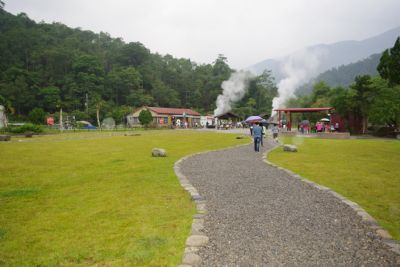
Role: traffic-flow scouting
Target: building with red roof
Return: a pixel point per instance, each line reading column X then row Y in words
column 168, row 117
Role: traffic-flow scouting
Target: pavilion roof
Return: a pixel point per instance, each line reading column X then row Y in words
column 174, row 111
column 303, row 110
column 227, row 115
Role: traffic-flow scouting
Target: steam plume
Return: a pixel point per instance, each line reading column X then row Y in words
column 298, row 68
column 233, row 90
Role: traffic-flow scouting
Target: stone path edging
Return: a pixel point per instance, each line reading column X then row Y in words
column 197, row 238
column 365, row 217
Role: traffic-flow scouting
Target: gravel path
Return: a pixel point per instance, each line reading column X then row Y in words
column 261, row 216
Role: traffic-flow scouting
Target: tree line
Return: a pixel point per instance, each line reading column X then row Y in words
column 374, row 100
column 47, row 67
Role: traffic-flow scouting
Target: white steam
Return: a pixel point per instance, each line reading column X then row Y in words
column 299, row 68
column 233, row 90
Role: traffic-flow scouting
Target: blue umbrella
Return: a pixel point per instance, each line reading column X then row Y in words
column 253, row 119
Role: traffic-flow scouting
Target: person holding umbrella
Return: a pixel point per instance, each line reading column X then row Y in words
column 251, row 120
column 257, row 135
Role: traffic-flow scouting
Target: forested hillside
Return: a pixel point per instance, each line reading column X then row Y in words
column 52, row 66
column 343, row 75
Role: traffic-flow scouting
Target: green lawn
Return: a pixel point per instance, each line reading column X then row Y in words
column 365, row 171
column 96, row 198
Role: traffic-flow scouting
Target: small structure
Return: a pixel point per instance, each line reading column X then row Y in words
column 167, row 117
column 227, row 120
column 3, row 118
column 207, row 121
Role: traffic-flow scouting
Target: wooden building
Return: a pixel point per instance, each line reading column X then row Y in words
column 167, row 117
column 227, row 120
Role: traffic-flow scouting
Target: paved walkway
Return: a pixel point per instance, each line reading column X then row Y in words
column 261, row 216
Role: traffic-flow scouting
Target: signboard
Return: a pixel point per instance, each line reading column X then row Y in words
column 50, row 121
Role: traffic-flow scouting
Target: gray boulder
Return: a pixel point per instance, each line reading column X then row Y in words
column 5, row 137
column 135, row 134
column 289, row 148
column 159, row 152
column 28, row 134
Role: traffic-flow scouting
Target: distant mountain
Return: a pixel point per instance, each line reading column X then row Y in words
column 343, row 75
column 333, row 55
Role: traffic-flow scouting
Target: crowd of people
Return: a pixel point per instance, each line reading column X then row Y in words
column 319, row 127
column 258, row 131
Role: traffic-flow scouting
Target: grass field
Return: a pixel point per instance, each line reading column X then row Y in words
column 365, row 171
column 97, row 198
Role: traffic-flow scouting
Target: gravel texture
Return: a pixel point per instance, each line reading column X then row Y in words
column 258, row 215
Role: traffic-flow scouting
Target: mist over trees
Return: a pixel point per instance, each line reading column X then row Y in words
column 374, row 100
column 89, row 75
column 343, row 75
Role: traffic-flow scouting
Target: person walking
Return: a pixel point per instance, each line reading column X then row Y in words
column 275, row 131
column 257, row 135
column 264, row 132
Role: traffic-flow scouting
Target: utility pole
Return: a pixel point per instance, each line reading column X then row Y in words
column 87, row 104
column 61, row 120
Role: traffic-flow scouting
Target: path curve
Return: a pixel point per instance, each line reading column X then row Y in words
column 258, row 215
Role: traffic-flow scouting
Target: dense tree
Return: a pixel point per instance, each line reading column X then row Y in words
column 119, row 113
column 385, row 109
column 363, row 95
column 145, row 117
column 120, row 82
column 164, row 96
column 320, row 95
column 49, row 98
column 52, row 66
column 341, row 101
column 389, row 66
column 37, row 115
column 133, row 54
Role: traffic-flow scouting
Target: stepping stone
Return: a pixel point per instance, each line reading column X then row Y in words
column 196, row 241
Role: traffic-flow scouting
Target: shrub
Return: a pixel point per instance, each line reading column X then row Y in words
column 26, row 128
column 145, row 117
column 37, row 115
column 385, row 132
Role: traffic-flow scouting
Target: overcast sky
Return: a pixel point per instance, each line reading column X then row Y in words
column 246, row 32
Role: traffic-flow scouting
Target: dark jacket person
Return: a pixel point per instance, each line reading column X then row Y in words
column 257, row 135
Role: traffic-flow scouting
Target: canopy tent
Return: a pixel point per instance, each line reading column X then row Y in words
column 84, row 122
